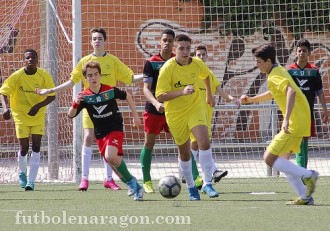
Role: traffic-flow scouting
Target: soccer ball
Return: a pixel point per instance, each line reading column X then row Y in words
column 169, row 186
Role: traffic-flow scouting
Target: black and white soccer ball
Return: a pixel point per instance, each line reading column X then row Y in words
column 169, row 186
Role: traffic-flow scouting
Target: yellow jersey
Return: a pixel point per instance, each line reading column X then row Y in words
column 19, row 87
column 299, row 121
column 173, row 77
column 112, row 70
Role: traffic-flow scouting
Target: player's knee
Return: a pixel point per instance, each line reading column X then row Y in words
column 269, row 158
column 35, row 148
column 149, row 145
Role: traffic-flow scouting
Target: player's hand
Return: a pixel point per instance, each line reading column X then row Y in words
column 42, row 91
column 285, row 126
column 210, row 101
column 6, row 114
column 244, row 99
column 33, row 111
column 160, row 107
column 137, row 122
column 237, row 102
column 324, row 117
column 80, row 97
column 188, row 90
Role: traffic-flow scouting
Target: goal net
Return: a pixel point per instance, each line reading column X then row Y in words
column 229, row 29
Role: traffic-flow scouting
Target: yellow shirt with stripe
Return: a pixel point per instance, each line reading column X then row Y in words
column 19, row 87
column 299, row 121
column 112, row 70
column 173, row 77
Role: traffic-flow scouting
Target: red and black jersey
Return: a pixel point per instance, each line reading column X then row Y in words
column 308, row 80
column 151, row 71
column 103, row 110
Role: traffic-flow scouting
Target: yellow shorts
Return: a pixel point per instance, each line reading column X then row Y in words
column 209, row 126
column 284, row 143
column 181, row 129
column 24, row 131
column 87, row 122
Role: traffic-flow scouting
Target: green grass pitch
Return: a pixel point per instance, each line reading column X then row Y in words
column 244, row 204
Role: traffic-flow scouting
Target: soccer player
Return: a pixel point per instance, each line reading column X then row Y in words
column 308, row 78
column 28, row 110
column 154, row 116
column 113, row 70
column 201, row 52
column 100, row 103
column 185, row 112
column 296, row 123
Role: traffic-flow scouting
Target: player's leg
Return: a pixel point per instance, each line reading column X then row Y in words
column 194, row 151
column 22, row 134
column 146, row 158
column 109, row 181
column 205, row 158
column 302, row 156
column 34, row 161
column 86, row 156
column 113, row 152
column 186, row 169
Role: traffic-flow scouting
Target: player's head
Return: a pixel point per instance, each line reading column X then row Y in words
column 201, row 52
column 92, row 72
column 303, row 50
column 265, row 57
column 183, row 48
column 99, row 30
column 98, row 38
column 30, row 58
column 167, row 41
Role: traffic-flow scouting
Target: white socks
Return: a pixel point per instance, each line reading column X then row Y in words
column 207, row 164
column 194, row 153
column 285, row 166
column 297, row 185
column 22, row 162
column 108, row 170
column 34, row 166
column 187, row 172
column 86, row 156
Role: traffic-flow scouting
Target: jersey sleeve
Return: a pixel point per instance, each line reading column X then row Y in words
column 280, row 82
column 318, row 84
column 124, row 73
column 148, row 72
column 7, row 87
column 76, row 74
column 164, row 81
column 120, row 94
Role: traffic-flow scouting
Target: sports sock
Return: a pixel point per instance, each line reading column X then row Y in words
column 125, row 174
column 297, row 185
column 285, row 166
column 145, row 159
column 187, row 172
column 108, row 170
column 34, row 166
column 195, row 154
column 86, row 160
column 214, row 166
column 22, row 162
column 205, row 160
column 194, row 169
column 302, row 156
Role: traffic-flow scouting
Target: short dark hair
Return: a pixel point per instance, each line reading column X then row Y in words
column 169, row 32
column 266, row 51
column 99, row 30
column 32, row 51
column 182, row 37
column 91, row 64
column 304, row 43
column 200, row 47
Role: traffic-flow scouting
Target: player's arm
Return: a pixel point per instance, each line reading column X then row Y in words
column 151, row 98
column 227, row 96
column 209, row 97
column 35, row 108
column 324, row 113
column 76, row 106
column 137, row 77
column 255, row 99
column 290, row 99
column 136, row 119
column 167, row 96
column 5, row 108
column 66, row 85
